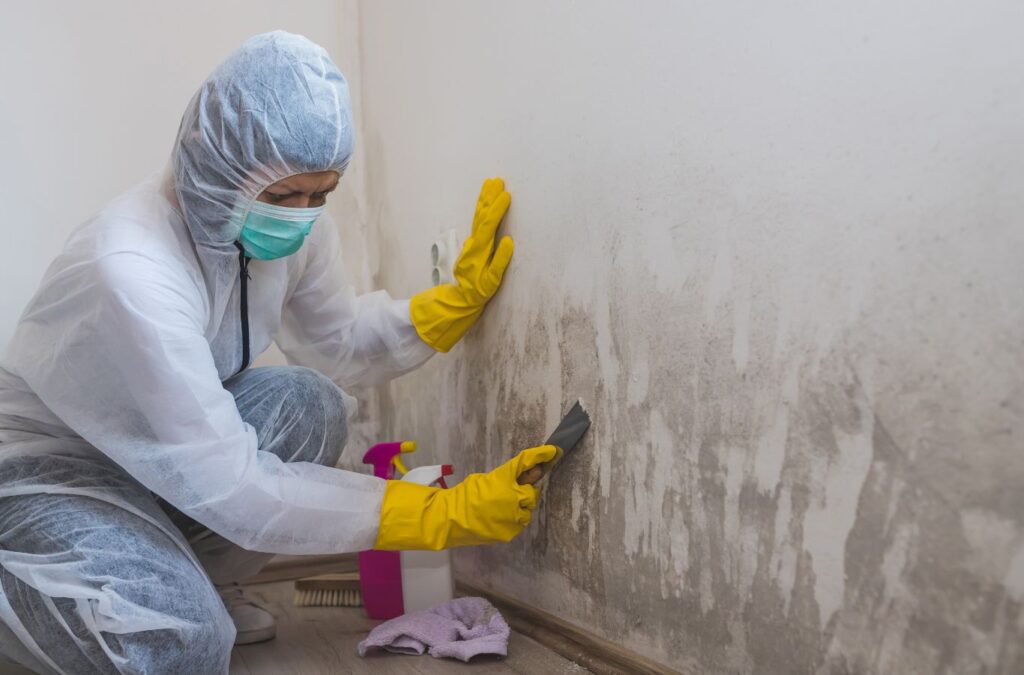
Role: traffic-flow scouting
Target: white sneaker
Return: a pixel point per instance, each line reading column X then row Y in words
column 252, row 622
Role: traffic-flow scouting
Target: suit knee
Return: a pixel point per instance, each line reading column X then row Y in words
column 329, row 408
column 209, row 646
column 201, row 643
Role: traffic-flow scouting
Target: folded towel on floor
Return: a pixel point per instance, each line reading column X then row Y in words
column 460, row 629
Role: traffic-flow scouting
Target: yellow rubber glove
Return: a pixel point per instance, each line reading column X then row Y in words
column 444, row 313
column 483, row 509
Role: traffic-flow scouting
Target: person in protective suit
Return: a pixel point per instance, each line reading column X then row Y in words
column 145, row 467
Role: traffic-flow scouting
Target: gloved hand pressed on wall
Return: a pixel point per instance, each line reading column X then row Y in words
column 444, row 313
column 484, row 508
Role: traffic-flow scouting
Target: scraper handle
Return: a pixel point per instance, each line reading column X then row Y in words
column 530, row 476
column 535, row 474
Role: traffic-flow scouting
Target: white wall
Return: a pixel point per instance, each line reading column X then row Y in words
column 778, row 250
column 93, row 93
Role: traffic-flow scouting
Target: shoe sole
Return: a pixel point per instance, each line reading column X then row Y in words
column 251, row 637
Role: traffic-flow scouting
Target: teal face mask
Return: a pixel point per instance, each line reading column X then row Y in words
column 271, row 231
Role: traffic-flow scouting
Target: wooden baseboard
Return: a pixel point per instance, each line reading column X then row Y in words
column 595, row 653
column 285, row 568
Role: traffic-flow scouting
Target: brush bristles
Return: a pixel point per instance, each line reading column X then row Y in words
column 329, row 597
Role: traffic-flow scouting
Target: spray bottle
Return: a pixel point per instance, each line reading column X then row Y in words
column 380, row 572
column 426, row 575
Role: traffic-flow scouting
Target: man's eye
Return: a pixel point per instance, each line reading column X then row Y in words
column 277, row 198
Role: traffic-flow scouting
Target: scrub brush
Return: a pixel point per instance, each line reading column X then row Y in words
column 329, row 590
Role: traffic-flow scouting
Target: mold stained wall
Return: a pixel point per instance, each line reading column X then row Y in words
column 777, row 249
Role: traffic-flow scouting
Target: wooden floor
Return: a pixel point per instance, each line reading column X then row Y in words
column 314, row 640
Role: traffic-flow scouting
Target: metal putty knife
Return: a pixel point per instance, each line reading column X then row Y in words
column 565, row 437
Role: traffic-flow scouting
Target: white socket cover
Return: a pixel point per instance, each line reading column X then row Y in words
column 443, row 254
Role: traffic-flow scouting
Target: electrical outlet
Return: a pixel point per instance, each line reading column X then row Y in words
column 443, row 254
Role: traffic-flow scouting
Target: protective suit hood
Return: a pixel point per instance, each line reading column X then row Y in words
column 125, row 348
column 275, row 107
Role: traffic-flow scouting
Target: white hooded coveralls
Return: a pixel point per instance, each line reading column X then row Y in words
column 125, row 346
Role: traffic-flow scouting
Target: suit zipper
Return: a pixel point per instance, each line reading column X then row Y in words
column 243, row 278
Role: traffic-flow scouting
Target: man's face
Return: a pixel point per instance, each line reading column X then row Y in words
column 301, row 191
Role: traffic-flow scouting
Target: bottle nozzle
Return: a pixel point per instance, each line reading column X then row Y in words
column 384, row 458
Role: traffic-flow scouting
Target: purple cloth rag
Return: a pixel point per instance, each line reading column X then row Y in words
column 459, row 629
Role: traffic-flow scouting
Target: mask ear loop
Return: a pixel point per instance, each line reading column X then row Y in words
column 242, row 211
